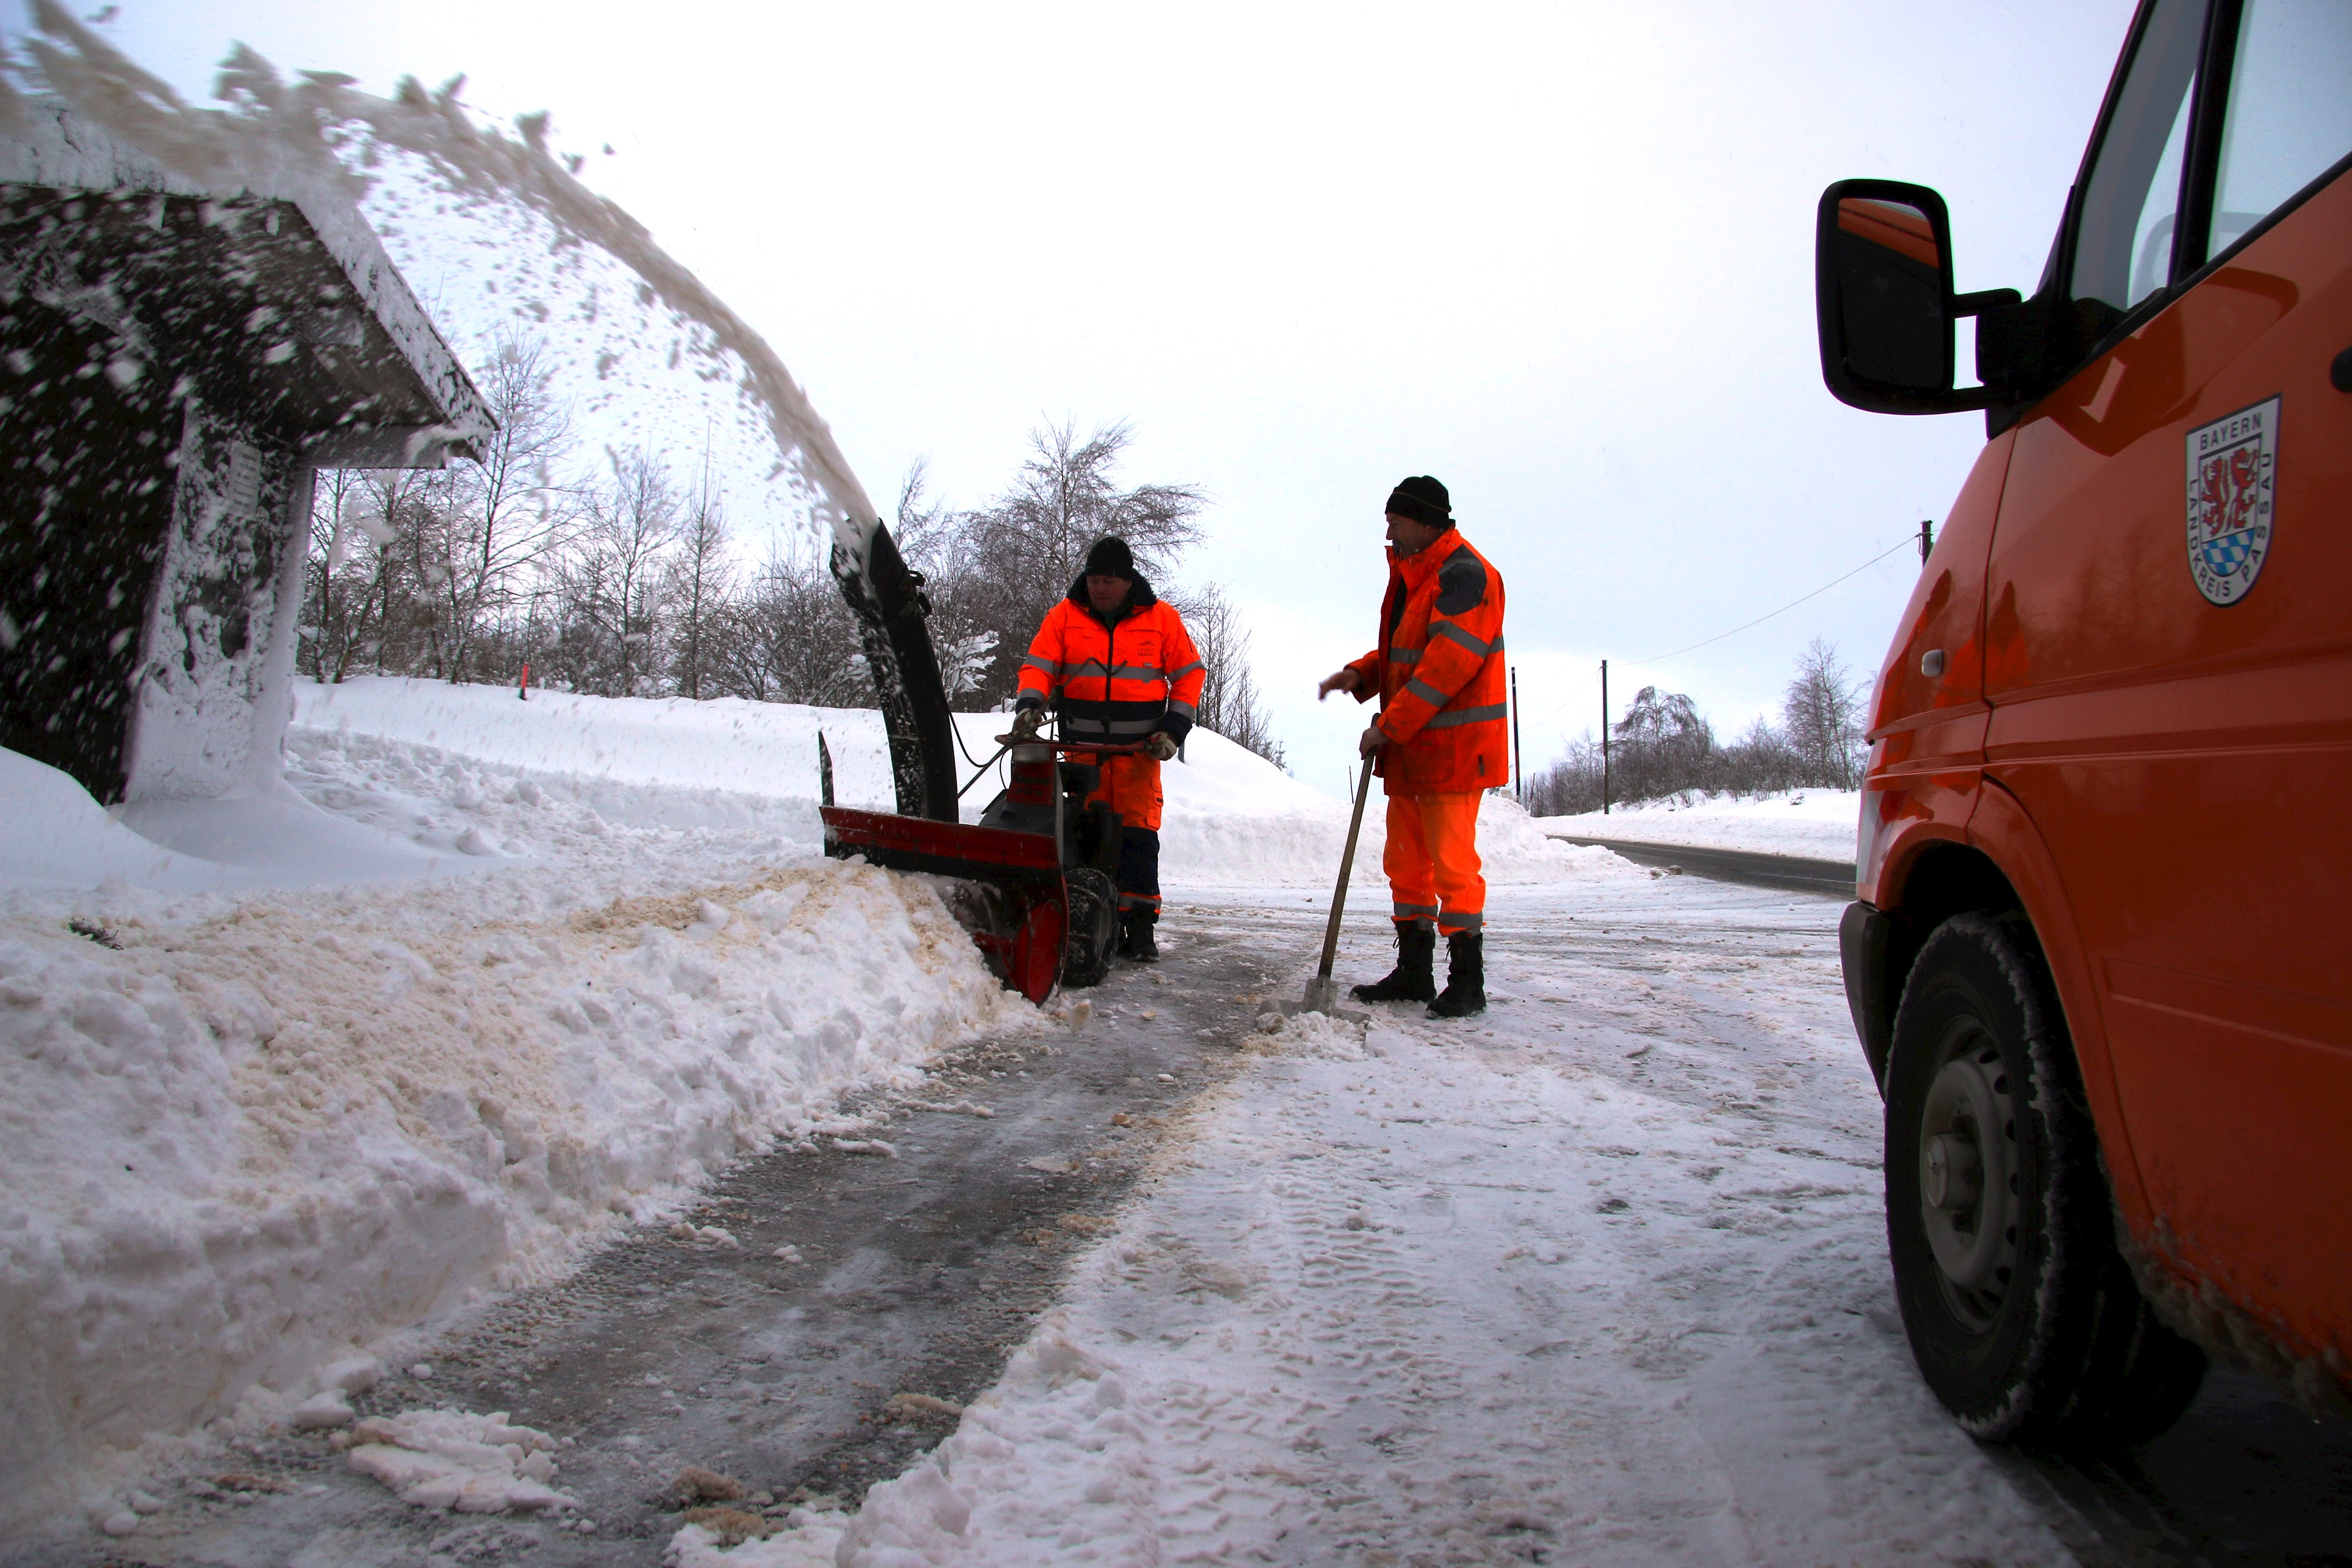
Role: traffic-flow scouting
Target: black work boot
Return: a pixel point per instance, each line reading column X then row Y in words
column 1411, row 980
column 1135, row 937
column 1465, row 978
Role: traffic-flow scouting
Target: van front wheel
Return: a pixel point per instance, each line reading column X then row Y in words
column 2022, row 1314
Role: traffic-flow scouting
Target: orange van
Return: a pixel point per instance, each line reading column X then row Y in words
column 2100, row 959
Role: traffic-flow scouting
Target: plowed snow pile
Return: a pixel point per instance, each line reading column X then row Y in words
column 242, row 1132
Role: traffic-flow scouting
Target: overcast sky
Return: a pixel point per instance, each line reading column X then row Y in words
column 1559, row 256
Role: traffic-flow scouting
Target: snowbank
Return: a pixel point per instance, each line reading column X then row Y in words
column 54, row 835
column 1816, row 822
column 240, row 1134
column 1229, row 815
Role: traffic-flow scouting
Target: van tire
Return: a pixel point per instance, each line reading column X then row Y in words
column 2022, row 1314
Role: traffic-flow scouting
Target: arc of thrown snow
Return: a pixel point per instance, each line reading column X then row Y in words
column 277, row 128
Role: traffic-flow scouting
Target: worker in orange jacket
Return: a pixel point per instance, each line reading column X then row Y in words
column 1118, row 667
column 1440, row 743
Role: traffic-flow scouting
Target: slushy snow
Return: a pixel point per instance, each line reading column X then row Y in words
column 452, row 1459
column 1598, row 1278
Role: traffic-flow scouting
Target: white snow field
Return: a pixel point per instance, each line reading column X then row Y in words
column 484, row 980
column 1229, row 815
column 1597, row 1279
column 1819, row 824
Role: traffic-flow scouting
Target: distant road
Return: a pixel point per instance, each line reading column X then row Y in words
column 1799, row 872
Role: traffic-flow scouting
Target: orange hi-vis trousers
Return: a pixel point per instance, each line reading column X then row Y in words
column 1130, row 786
column 1431, row 861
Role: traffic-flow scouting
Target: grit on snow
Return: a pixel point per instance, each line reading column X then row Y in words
column 1599, row 1278
column 283, row 1074
column 1818, row 824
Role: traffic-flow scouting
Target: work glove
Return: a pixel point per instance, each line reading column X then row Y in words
column 1161, row 746
column 1028, row 722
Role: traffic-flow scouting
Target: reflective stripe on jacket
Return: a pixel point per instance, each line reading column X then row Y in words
column 1438, row 673
column 1114, row 681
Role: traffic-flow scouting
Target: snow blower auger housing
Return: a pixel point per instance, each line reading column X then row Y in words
column 1033, row 876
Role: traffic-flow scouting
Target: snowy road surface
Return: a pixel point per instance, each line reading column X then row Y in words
column 1595, row 1279
column 660, row 1134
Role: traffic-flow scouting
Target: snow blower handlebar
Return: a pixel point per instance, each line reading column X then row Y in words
column 1091, row 748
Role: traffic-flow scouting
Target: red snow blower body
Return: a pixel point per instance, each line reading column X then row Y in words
column 1033, row 879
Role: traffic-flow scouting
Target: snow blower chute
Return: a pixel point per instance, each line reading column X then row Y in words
column 1033, row 879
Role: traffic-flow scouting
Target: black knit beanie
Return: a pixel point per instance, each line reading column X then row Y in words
column 1422, row 499
column 1110, row 557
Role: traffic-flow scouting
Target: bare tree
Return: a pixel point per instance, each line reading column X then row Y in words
column 612, row 583
column 1761, row 762
column 1660, row 746
column 335, row 591
column 509, row 510
column 1821, row 717
column 1230, row 705
column 791, row 640
column 1036, row 536
column 701, row 580
column 1570, row 785
column 937, row 543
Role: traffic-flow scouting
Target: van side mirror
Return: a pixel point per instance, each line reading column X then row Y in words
column 1883, row 295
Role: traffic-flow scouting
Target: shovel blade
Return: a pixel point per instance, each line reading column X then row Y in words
column 1323, row 996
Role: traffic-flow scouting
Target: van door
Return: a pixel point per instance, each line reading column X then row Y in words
column 2168, row 644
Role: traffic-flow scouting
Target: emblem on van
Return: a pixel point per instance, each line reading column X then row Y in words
column 2232, row 473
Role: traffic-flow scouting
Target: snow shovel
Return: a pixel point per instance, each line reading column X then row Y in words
column 1322, row 991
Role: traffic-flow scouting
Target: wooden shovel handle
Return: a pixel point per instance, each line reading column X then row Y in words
column 1346, row 863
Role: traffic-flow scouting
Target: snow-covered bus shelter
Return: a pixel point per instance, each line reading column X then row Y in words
column 178, row 358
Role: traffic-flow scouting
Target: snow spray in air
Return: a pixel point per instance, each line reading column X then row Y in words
column 514, row 221
column 319, row 126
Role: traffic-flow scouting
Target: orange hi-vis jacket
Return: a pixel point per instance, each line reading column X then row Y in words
column 1438, row 673
column 1116, row 682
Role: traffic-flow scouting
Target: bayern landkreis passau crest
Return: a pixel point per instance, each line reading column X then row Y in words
column 2233, row 478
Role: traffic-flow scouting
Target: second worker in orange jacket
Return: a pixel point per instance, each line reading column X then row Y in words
column 1440, row 742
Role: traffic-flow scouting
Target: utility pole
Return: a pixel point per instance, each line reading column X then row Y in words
column 1519, row 781
column 1604, row 738
column 1926, row 539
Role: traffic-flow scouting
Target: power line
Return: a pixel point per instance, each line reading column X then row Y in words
column 1816, row 593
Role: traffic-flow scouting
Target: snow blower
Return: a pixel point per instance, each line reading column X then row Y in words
column 1031, row 880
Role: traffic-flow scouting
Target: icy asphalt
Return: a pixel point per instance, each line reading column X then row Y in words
column 1596, row 1278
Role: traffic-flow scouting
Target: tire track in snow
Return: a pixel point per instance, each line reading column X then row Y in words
column 1596, row 1278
